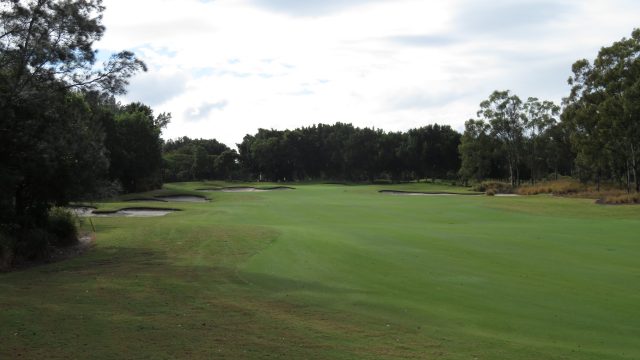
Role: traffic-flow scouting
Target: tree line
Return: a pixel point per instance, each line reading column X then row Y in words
column 594, row 137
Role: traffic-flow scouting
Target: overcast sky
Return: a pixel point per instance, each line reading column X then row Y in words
column 225, row 68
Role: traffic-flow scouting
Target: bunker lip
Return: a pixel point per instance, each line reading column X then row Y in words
column 247, row 189
column 154, row 199
column 182, row 198
column 134, row 212
column 81, row 210
column 426, row 193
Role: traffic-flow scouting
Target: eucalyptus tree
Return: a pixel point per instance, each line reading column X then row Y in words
column 539, row 117
column 504, row 112
column 604, row 111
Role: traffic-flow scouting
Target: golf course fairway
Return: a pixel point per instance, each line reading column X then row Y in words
column 338, row 272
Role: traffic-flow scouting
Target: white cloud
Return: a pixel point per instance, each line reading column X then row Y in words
column 389, row 64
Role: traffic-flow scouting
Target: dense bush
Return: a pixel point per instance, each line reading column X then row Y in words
column 32, row 244
column 559, row 187
column 496, row 187
column 6, row 251
column 622, row 199
column 62, row 227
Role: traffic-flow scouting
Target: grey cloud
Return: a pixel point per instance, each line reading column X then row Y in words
column 154, row 89
column 202, row 111
column 310, row 7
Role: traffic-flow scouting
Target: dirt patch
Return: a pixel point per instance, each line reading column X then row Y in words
column 85, row 242
column 55, row 254
column 426, row 193
column 182, row 198
column 134, row 212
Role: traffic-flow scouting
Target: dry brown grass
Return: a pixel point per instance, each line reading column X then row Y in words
column 607, row 194
column 621, row 199
column 557, row 187
column 497, row 187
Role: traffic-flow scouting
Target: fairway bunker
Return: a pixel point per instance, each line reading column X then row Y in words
column 134, row 212
column 81, row 210
column 249, row 189
column 424, row 193
column 182, row 198
column 146, row 200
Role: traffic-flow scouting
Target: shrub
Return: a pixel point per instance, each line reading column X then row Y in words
column 559, row 187
column 62, row 226
column 497, row 186
column 622, row 199
column 6, row 251
column 491, row 192
column 32, row 244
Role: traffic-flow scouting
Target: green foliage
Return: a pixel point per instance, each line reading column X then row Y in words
column 52, row 134
column 514, row 140
column 32, row 244
column 62, row 227
column 135, row 147
column 188, row 159
column 7, row 246
column 603, row 113
column 343, row 152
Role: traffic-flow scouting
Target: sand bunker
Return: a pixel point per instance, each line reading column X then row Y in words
column 419, row 193
column 146, row 200
column 81, row 210
column 134, row 212
column 249, row 189
column 182, row 198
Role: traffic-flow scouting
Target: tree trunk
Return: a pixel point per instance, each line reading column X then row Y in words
column 634, row 168
column 628, row 178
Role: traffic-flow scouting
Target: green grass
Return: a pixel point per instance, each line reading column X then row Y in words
column 340, row 272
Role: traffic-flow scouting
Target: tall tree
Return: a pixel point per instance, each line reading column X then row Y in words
column 604, row 112
column 539, row 117
column 504, row 112
column 47, row 135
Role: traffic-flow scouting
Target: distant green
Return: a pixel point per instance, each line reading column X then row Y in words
column 339, row 272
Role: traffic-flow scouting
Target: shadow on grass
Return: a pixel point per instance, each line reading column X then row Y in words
column 139, row 302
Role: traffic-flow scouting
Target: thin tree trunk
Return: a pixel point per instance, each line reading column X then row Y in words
column 634, row 167
column 628, row 178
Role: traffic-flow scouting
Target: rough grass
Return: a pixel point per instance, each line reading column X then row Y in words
column 607, row 194
column 622, row 199
column 558, row 187
column 494, row 187
column 336, row 272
